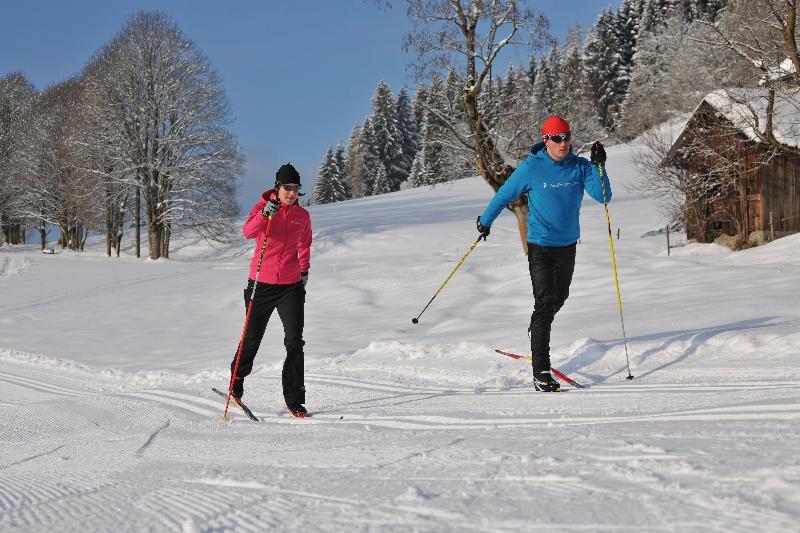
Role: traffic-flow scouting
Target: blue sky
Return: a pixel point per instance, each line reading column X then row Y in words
column 298, row 74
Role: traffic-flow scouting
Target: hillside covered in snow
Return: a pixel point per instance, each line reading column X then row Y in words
column 107, row 419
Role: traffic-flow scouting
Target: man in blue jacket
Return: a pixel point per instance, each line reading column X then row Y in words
column 554, row 179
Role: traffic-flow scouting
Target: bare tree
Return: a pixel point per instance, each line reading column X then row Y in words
column 471, row 35
column 50, row 188
column 100, row 148
column 167, row 103
column 16, row 95
column 765, row 34
column 672, row 74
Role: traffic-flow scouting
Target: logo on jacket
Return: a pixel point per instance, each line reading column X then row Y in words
column 560, row 185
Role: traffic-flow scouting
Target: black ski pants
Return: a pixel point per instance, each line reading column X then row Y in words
column 551, row 269
column 289, row 300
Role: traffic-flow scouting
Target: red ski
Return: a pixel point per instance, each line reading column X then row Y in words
column 556, row 372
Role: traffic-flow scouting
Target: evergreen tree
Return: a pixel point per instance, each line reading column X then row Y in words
column 685, row 9
column 418, row 110
column 381, row 185
column 544, row 88
column 435, row 161
column 626, row 32
column 418, row 176
column 604, row 70
column 355, row 163
column 454, row 95
column 408, row 131
column 509, row 89
column 388, row 141
column 434, row 157
column 654, row 15
column 371, row 158
column 328, row 188
column 574, row 102
column 533, row 65
column 708, row 9
column 344, row 172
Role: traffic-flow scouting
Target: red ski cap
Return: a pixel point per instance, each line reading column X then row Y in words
column 554, row 125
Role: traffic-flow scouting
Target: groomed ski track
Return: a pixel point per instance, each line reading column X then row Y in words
column 158, row 458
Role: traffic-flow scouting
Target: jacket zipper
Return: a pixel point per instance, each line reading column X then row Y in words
column 283, row 250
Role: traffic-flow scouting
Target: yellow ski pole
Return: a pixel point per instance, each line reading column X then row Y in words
column 474, row 244
column 614, row 263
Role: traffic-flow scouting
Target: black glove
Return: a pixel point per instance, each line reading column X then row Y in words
column 483, row 230
column 271, row 208
column 598, row 156
column 304, row 278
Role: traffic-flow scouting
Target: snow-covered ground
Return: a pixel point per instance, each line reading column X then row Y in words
column 107, row 420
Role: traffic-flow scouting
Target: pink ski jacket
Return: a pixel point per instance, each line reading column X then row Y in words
column 288, row 246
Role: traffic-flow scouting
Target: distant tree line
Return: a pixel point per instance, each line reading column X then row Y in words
column 634, row 68
column 141, row 136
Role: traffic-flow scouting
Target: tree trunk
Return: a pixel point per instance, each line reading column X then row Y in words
column 138, row 223
column 165, row 237
column 109, row 230
column 43, row 235
column 492, row 168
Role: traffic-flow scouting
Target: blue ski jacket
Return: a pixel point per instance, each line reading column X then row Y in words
column 555, row 190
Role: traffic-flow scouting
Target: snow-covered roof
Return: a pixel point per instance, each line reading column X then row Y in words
column 783, row 71
column 746, row 109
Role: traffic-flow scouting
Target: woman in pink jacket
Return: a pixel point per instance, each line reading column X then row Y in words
column 280, row 285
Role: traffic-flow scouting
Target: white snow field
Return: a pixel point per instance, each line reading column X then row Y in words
column 108, row 423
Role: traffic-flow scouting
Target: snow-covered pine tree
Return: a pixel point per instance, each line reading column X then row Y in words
column 388, row 140
column 454, row 95
column 544, row 88
column 381, row 185
column 418, row 176
column 575, row 103
column 328, row 188
column 604, row 70
column 654, row 15
column 533, row 65
column 708, row 9
column 344, row 172
column 509, row 88
column 434, row 159
column 355, row 162
column 408, row 130
column 626, row 31
column 651, row 95
column 370, row 157
column 418, row 109
column 685, row 9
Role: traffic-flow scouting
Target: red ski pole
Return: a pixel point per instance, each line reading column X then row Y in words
column 247, row 318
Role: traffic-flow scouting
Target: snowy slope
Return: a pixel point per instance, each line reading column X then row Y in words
column 107, row 419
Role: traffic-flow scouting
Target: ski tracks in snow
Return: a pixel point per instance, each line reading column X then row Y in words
column 80, row 456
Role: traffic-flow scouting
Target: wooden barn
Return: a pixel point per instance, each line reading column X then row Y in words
column 738, row 185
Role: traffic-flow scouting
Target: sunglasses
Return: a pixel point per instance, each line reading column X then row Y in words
column 559, row 137
column 291, row 188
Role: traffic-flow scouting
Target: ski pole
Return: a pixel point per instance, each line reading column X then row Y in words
column 474, row 244
column 247, row 318
column 614, row 263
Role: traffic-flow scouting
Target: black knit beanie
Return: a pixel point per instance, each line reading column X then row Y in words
column 287, row 174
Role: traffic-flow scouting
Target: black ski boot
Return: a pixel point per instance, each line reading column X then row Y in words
column 543, row 381
column 238, row 388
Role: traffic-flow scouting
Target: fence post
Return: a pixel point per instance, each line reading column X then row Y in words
column 667, row 240
column 771, row 228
